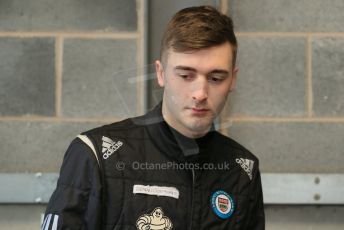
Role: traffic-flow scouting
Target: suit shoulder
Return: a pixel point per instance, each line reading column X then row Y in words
column 223, row 140
column 124, row 128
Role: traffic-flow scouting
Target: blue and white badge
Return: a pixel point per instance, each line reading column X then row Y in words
column 222, row 204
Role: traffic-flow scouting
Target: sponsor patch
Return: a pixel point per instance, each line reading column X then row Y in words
column 246, row 165
column 154, row 220
column 156, row 190
column 109, row 146
column 222, row 204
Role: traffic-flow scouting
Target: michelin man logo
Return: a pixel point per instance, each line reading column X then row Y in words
column 154, row 220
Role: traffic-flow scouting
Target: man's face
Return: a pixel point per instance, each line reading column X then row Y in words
column 196, row 85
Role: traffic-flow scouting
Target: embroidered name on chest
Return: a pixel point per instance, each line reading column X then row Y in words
column 156, row 190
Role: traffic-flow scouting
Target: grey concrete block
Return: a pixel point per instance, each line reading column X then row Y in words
column 293, row 147
column 36, row 146
column 99, row 78
column 304, row 217
column 27, row 76
column 287, row 16
column 77, row 15
column 328, row 76
column 21, row 217
column 271, row 79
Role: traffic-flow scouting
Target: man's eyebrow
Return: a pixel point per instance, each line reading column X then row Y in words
column 220, row 71
column 181, row 67
column 216, row 71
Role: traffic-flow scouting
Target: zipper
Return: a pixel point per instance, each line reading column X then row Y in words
column 192, row 196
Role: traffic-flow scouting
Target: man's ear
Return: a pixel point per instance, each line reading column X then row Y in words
column 234, row 79
column 159, row 73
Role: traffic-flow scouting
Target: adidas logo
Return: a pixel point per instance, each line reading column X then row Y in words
column 247, row 165
column 109, row 147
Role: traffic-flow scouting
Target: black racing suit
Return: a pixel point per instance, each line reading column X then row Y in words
column 140, row 173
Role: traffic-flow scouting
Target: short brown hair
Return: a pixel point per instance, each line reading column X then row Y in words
column 196, row 28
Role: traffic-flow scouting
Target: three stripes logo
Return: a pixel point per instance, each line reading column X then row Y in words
column 110, row 146
column 50, row 222
column 247, row 165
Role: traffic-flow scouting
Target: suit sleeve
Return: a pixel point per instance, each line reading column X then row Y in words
column 76, row 201
column 257, row 214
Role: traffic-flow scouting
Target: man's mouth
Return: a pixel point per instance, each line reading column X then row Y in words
column 199, row 111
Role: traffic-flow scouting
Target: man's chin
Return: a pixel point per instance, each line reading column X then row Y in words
column 197, row 127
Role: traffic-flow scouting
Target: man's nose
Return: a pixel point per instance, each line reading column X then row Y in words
column 200, row 89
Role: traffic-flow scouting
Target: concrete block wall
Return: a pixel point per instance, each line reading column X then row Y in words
column 64, row 68
column 289, row 100
column 288, row 104
column 61, row 72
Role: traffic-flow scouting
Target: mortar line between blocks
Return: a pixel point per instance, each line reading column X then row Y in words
column 139, row 56
column 58, row 74
column 290, row 34
column 227, row 121
column 224, row 6
column 81, row 35
column 309, row 77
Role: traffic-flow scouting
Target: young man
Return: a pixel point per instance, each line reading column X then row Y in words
column 168, row 169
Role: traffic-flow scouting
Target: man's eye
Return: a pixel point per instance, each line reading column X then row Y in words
column 185, row 76
column 216, row 79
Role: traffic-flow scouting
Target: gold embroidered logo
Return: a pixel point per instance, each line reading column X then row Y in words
column 154, row 220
